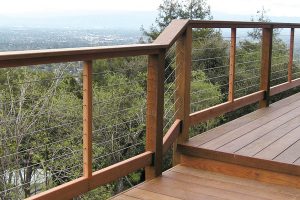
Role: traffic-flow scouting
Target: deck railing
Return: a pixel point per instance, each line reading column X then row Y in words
column 180, row 34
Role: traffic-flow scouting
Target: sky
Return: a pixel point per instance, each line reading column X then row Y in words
column 289, row 8
column 130, row 13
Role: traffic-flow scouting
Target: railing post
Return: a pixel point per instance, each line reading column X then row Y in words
column 155, row 112
column 267, row 38
column 87, row 119
column 183, row 88
column 232, row 65
column 291, row 56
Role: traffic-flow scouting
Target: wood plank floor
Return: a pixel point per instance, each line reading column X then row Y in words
column 269, row 134
column 183, row 182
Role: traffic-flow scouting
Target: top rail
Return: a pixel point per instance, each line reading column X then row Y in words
column 165, row 40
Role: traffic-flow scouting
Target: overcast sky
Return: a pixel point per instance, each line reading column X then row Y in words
column 234, row 7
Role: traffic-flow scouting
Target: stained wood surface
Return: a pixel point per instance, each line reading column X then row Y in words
column 269, row 133
column 266, row 58
column 182, row 182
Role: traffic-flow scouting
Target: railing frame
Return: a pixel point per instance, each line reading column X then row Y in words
column 179, row 31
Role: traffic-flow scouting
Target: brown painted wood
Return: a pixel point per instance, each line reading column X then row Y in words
column 236, row 189
column 239, row 24
column 125, row 197
column 64, row 191
column 155, row 112
column 171, row 135
column 36, row 57
column 101, row 177
column 239, row 182
column 290, row 155
column 87, row 118
column 232, row 125
column 120, row 169
column 223, row 108
column 284, row 86
column 266, row 58
column 183, row 84
column 291, row 55
column 258, row 145
column 172, row 32
column 181, row 190
column 242, row 171
column 256, row 124
column 145, row 194
column 280, row 145
column 255, row 134
column 240, row 160
column 232, row 65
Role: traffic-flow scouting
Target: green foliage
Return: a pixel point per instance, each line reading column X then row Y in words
column 169, row 10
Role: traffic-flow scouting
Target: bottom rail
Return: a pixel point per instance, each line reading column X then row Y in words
column 82, row 185
column 223, row 108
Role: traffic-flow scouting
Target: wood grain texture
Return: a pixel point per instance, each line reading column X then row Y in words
column 259, row 144
column 223, row 108
column 290, row 155
column 287, row 168
column 239, row 24
column 256, row 124
column 155, row 112
column 101, row 177
column 183, row 182
column 291, row 55
column 266, row 58
column 232, row 65
column 244, row 140
column 280, row 145
column 242, row 171
column 248, row 183
column 232, row 125
column 183, row 84
column 171, row 135
column 172, row 32
column 37, row 57
column 145, row 194
column 284, row 86
column 87, row 118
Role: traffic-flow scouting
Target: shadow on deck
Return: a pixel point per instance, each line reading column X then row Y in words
column 256, row 156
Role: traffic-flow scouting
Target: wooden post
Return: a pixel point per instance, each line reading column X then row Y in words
column 87, row 119
column 155, row 112
column 267, row 38
column 183, row 85
column 291, row 57
column 232, row 65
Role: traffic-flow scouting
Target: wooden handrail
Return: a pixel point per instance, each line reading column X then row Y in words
column 240, row 24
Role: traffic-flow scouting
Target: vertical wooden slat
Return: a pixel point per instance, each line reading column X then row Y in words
column 267, row 38
column 232, row 65
column 87, row 119
column 291, row 57
column 183, row 85
column 155, row 112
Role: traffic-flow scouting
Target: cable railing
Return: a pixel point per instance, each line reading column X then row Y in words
column 106, row 112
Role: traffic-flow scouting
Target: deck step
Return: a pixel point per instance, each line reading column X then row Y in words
column 183, row 182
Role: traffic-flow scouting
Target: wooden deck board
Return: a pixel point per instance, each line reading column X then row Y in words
column 256, row 146
column 253, row 135
column 220, row 130
column 181, row 182
column 290, row 155
column 270, row 134
column 256, row 124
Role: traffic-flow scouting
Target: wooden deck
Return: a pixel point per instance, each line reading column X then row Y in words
column 256, row 156
column 183, row 182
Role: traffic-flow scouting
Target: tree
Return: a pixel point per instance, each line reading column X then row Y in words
column 169, row 10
